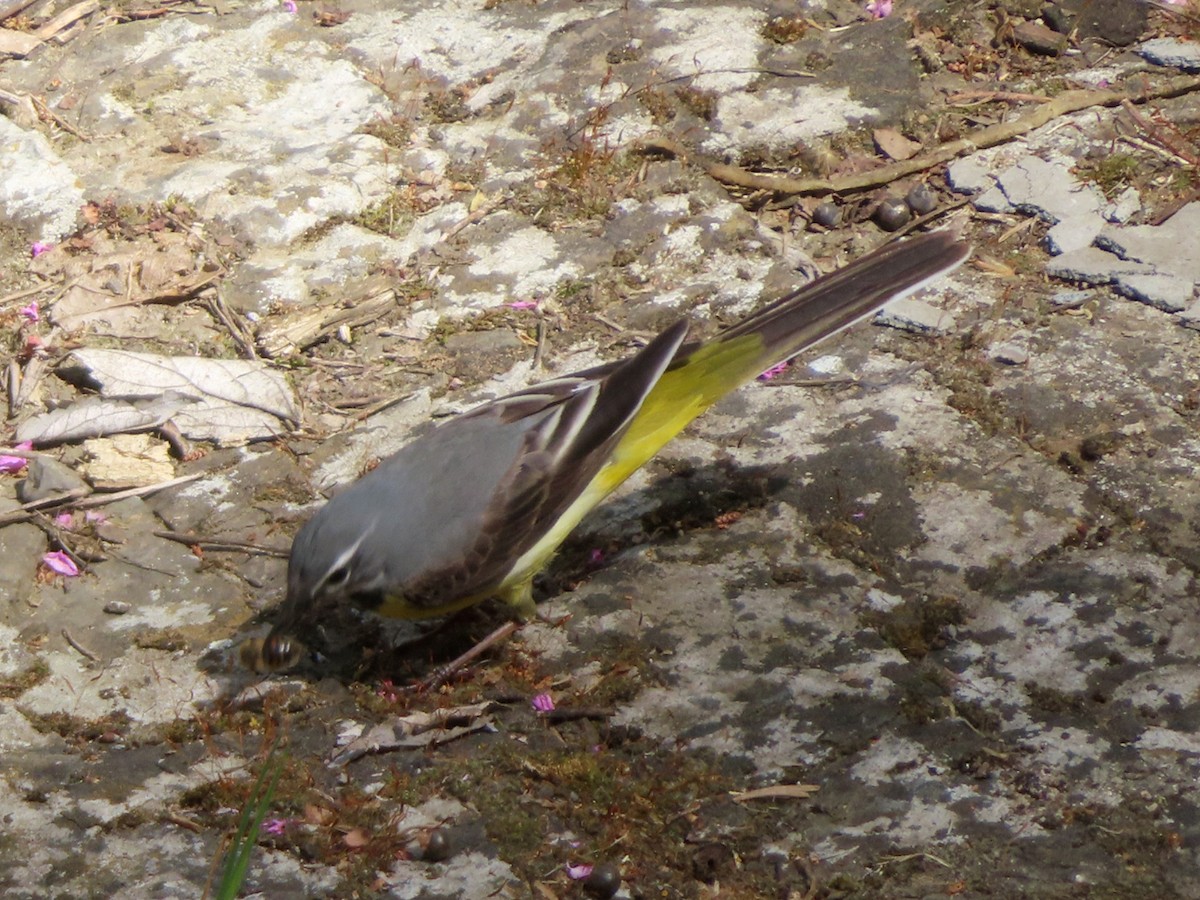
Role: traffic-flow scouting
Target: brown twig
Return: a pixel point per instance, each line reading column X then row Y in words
column 45, row 113
column 193, row 540
column 1064, row 104
column 474, row 216
column 79, row 648
column 27, row 292
column 8, row 10
column 1179, row 146
column 240, row 334
column 79, row 499
column 438, row 678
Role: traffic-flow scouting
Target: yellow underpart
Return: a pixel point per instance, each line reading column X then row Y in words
column 518, row 595
column 681, row 394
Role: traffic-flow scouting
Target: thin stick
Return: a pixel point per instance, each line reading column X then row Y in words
column 81, row 500
column 1064, row 104
column 82, row 650
column 28, row 292
column 193, row 540
column 438, row 678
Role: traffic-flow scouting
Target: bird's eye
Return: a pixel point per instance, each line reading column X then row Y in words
column 338, row 577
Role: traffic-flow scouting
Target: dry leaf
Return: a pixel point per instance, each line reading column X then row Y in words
column 894, row 145
column 414, row 731
column 778, row 791
column 92, row 417
column 318, row 815
column 356, row 839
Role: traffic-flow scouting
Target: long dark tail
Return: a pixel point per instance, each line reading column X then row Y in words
column 836, row 301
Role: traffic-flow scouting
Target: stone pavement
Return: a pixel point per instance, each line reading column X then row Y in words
column 942, row 573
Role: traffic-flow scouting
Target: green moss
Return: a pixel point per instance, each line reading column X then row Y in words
column 785, row 29
column 1111, row 173
column 18, row 683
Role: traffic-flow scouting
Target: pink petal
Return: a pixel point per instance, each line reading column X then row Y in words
column 543, row 703
column 12, row 464
column 37, row 248
column 65, row 520
column 578, row 872
column 58, row 561
column 773, row 371
column 523, row 304
column 31, row 313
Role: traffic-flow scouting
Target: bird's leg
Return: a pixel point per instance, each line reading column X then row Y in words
column 443, row 673
column 519, row 599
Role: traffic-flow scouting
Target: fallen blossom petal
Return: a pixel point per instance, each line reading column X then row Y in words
column 289, row 6
column 523, row 304
column 275, row 826
column 880, row 9
column 12, row 464
column 37, row 248
column 387, row 691
column 596, row 556
column 95, row 518
column 58, row 561
column 31, row 313
column 543, row 703
column 774, row 370
column 65, row 520
column 579, row 872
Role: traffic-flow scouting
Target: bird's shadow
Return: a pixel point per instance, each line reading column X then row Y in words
column 353, row 646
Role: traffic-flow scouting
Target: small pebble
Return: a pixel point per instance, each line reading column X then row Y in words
column 604, row 882
column 1070, row 299
column 438, row 846
column 1010, row 354
column 921, row 199
column 117, row 607
column 827, row 215
column 892, row 214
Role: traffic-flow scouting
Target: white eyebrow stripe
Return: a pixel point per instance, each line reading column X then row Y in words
column 347, row 554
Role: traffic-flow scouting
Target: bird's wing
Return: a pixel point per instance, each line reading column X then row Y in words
column 573, row 424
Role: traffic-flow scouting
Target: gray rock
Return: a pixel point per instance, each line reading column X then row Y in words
column 1070, row 299
column 1010, row 353
column 1173, row 246
column 916, row 316
column 1091, row 265
column 1161, row 290
column 1190, row 317
column 1074, row 233
column 46, row 477
column 1172, row 52
column 1127, row 205
column 994, row 201
column 969, row 175
column 38, row 191
column 1050, row 191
